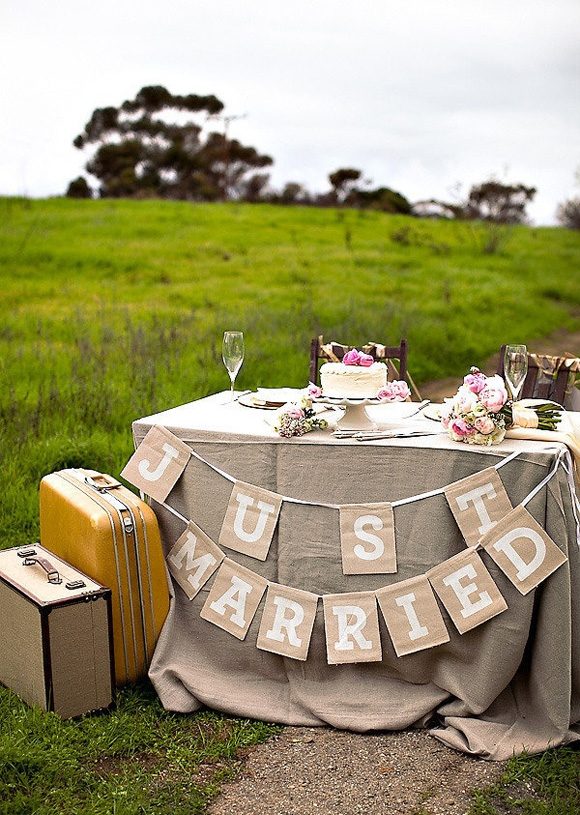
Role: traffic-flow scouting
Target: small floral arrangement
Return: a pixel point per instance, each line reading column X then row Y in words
column 298, row 418
column 395, row 391
column 481, row 411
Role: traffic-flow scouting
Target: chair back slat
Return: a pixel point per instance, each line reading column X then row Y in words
column 395, row 357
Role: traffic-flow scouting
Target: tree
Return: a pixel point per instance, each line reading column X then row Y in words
column 151, row 146
column 384, row 199
column 78, row 188
column 499, row 203
column 343, row 183
column 568, row 213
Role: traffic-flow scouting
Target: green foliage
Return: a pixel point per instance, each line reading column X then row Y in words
column 137, row 759
column 546, row 784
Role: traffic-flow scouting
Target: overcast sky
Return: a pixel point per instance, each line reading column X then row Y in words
column 420, row 95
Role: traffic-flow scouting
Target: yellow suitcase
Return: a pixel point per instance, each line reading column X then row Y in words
column 100, row 527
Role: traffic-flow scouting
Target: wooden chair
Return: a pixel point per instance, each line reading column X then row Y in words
column 549, row 377
column 390, row 354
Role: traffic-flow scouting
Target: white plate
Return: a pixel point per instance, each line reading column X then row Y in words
column 281, row 395
column 433, row 411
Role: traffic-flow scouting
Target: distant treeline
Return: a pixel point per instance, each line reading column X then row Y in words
column 150, row 147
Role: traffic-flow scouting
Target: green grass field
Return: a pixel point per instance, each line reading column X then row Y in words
column 112, row 310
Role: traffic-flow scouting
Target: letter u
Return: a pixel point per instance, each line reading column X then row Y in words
column 244, row 502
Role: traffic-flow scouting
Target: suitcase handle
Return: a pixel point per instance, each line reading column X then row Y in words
column 109, row 482
column 52, row 574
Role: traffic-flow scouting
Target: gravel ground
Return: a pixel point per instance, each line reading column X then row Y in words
column 308, row 771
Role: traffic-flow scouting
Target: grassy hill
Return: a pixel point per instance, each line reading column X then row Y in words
column 115, row 309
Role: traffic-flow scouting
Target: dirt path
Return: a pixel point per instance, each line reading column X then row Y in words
column 304, row 771
column 321, row 771
column 557, row 343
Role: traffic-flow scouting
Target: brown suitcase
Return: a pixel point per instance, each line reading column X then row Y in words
column 55, row 636
column 101, row 527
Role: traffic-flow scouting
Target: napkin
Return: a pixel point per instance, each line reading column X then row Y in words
column 568, row 433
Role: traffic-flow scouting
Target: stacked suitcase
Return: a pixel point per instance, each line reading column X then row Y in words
column 55, row 638
column 106, row 531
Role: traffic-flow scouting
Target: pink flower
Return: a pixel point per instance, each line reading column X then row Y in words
column 314, row 391
column 461, row 428
column 401, row 388
column 485, row 425
column 388, row 393
column 466, row 399
column 365, row 360
column 494, row 395
column 351, row 357
column 396, row 391
column 475, row 381
column 293, row 411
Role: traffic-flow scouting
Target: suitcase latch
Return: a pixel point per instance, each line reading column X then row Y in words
column 75, row 584
column 128, row 524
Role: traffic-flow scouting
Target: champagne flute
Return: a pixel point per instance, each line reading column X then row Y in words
column 515, row 369
column 233, row 354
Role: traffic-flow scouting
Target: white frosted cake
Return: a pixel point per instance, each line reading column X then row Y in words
column 341, row 381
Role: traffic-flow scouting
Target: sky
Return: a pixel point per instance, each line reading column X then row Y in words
column 424, row 96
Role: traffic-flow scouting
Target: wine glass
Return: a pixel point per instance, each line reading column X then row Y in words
column 515, row 368
column 233, row 354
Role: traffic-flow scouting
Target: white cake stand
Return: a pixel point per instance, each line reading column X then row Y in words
column 355, row 416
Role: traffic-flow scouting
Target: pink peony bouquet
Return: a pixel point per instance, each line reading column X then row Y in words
column 481, row 411
column 298, row 418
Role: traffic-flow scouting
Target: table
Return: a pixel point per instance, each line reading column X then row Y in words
column 510, row 684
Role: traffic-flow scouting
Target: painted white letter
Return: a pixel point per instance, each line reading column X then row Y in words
column 244, row 502
column 170, row 453
column 405, row 601
column 283, row 604
column 379, row 547
column 354, row 629
column 476, row 496
column 454, row 581
column 524, row 569
column 242, row 589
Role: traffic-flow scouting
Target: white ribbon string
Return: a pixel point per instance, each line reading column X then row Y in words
column 402, row 501
column 545, row 480
column 568, row 468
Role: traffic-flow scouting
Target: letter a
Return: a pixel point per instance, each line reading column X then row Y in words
column 235, row 597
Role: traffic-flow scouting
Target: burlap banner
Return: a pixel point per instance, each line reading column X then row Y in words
column 511, row 537
column 523, row 550
column 367, row 539
column 234, row 598
column 467, row 590
column 157, row 463
column 250, row 520
column 412, row 615
column 478, row 503
column 193, row 559
column 287, row 621
column 352, row 628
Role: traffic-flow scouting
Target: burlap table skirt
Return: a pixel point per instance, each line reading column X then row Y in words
column 510, row 684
